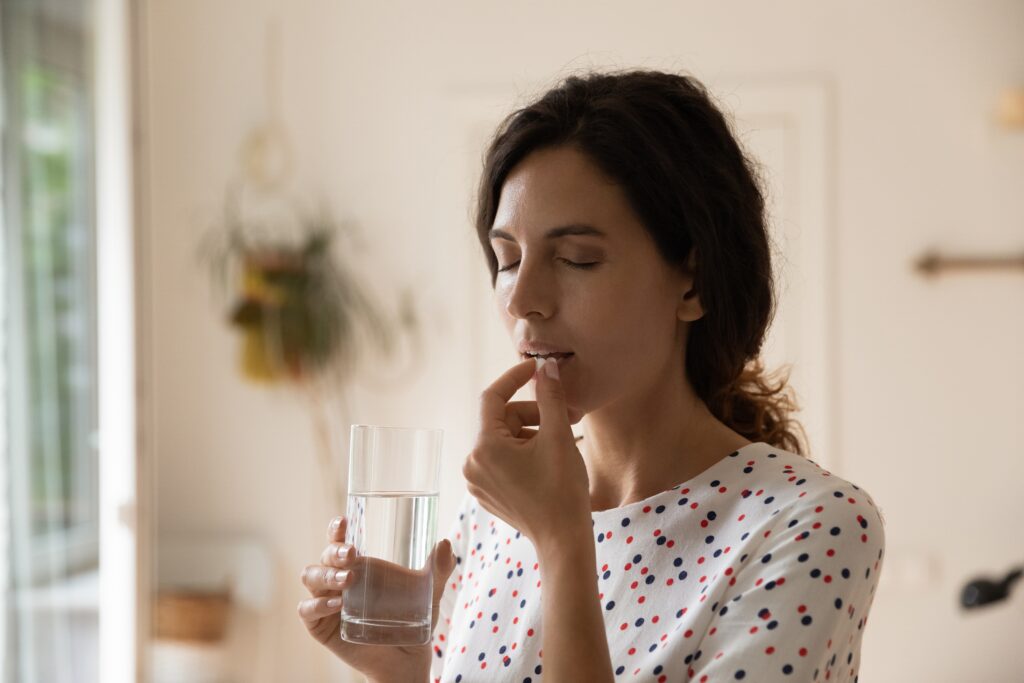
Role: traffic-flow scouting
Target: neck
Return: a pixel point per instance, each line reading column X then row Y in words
column 642, row 445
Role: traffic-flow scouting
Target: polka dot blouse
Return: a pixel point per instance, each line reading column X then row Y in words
column 763, row 567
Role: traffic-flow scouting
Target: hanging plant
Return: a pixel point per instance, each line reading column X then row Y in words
column 302, row 317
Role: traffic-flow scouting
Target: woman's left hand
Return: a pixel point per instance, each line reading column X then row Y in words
column 533, row 479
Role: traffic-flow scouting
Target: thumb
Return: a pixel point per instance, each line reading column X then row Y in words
column 554, row 414
column 444, row 563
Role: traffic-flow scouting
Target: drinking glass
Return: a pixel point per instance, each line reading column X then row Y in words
column 393, row 482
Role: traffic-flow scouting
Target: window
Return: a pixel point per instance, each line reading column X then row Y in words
column 49, row 328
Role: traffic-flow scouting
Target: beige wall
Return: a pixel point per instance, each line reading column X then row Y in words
column 926, row 375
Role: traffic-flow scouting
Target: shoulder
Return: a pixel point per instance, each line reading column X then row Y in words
column 813, row 505
column 825, row 486
column 794, row 480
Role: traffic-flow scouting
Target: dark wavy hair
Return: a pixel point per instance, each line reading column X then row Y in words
column 664, row 141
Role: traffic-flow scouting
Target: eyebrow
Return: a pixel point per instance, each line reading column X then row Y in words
column 553, row 233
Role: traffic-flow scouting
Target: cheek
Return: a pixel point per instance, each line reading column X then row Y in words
column 627, row 339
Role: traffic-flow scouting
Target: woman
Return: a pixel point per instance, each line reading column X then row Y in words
column 683, row 536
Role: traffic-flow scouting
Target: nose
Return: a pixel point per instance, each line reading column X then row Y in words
column 529, row 293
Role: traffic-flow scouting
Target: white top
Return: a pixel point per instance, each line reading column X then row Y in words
column 763, row 567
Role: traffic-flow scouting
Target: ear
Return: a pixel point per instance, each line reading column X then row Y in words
column 689, row 308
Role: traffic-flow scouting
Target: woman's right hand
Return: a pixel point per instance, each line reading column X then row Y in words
column 321, row 612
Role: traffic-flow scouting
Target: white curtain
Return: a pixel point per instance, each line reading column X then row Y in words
column 49, row 512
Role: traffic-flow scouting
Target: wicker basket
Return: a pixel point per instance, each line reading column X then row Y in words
column 191, row 615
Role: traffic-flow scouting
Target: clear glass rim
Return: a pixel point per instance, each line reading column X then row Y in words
column 399, row 429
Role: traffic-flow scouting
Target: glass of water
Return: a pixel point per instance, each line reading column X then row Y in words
column 393, row 484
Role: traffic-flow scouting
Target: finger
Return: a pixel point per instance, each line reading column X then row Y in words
column 554, row 414
column 336, row 529
column 321, row 580
column 520, row 413
column 495, row 397
column 338, row 555
column 312, row 610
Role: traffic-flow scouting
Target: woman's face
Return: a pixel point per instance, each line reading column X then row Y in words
column 620, row 315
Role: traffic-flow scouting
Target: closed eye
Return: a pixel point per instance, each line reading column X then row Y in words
column 571, row 264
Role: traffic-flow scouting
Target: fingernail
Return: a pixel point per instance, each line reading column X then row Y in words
column 340, row 576
column 344, row 551
column 336, row 523
column 334, row 602
column 551, row 367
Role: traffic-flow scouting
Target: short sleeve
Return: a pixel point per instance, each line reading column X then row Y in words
column 795, row 610
column 458, row 534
